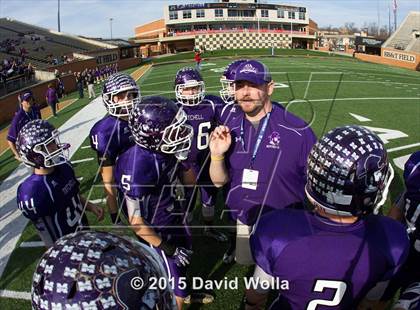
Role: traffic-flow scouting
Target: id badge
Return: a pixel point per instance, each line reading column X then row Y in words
column 250, row 179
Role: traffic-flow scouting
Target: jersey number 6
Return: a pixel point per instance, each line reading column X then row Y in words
column 203, row 134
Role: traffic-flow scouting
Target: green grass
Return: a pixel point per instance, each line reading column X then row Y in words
column 242, row 53
column 356, row 86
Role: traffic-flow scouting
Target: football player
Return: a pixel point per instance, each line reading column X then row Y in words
column 110, row 136
column 145, row 173
column 202, row 113
column 50, row 196
column 98, row 270
column 335, row 255
column 407, row 210
column 227, row 93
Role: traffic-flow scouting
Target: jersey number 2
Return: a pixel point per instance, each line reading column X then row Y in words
column 339, row 287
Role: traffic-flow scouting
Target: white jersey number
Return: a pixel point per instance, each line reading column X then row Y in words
column 95, row 141
column 203, row 136
column 125, row 179
column 320, row 285
column 73, row 219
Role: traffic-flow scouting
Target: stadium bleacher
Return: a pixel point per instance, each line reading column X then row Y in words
column 406, row 38
column 42, row 45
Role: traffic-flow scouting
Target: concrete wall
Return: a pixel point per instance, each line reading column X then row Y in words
column 128, row 63
column 77, row 66
column 394, row 58
column 150, row 30
column 8, row 105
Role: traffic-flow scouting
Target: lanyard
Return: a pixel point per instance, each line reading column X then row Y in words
column 260, row 135
column 31, row 115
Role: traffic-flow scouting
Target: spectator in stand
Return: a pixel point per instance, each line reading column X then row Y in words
column 52, row 98
column 28, row 111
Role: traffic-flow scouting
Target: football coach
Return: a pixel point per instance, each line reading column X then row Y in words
column 259, row 155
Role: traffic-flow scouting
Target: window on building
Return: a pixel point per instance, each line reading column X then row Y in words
column 218, row 12
column 280, row 13
column 173, row 15
column 248, row 13
column 302, row 15
column 199, row 13
column 291, row 15
column 264, row 13
column 232, row 13
column 186, row 14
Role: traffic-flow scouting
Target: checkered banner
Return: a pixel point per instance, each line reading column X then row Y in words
column 234, row 40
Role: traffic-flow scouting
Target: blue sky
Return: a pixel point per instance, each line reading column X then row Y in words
column 91, row 17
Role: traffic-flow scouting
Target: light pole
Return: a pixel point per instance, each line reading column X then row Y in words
column 110, row 24
column 58, row 16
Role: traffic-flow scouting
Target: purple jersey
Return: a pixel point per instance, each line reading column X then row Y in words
column 109, row 137
column 52, row 203
column 324, row 262
column 146, row 176
column 20, row 119
column 203, row 117
column 280, row 162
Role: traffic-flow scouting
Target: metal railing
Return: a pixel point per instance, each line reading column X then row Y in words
column 15, row 83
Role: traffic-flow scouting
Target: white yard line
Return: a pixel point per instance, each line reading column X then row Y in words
column 399, row 148
column 400, row 161
column 12, row 223
column 15, row 294
column 85, row 147
column 82, row 160
column 32, row 244
column 100, row 200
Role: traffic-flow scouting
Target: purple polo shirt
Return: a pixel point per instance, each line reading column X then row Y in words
column 51, row 95
column 280, row 160
column 19, row 120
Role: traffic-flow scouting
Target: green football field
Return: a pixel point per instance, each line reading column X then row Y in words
column 325, row 91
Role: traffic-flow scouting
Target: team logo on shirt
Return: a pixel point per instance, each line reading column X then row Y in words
column 274, row 141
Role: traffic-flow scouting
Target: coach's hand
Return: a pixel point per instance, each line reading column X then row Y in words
column 220, row 140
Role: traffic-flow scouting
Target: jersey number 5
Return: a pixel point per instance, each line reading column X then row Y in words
column 339, row 287
column 203, row 136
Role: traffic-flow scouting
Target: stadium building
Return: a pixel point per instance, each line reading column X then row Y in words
column 402, row 48
column 227, row 24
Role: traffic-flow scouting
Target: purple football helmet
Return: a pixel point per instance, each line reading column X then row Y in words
column 189, row 80
column 412, row 174
column 228, row 87
column 348, row 172
column 99, row 270
column 39, row 145
column 115, row 85
column 412, row 193
column 159, row 125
